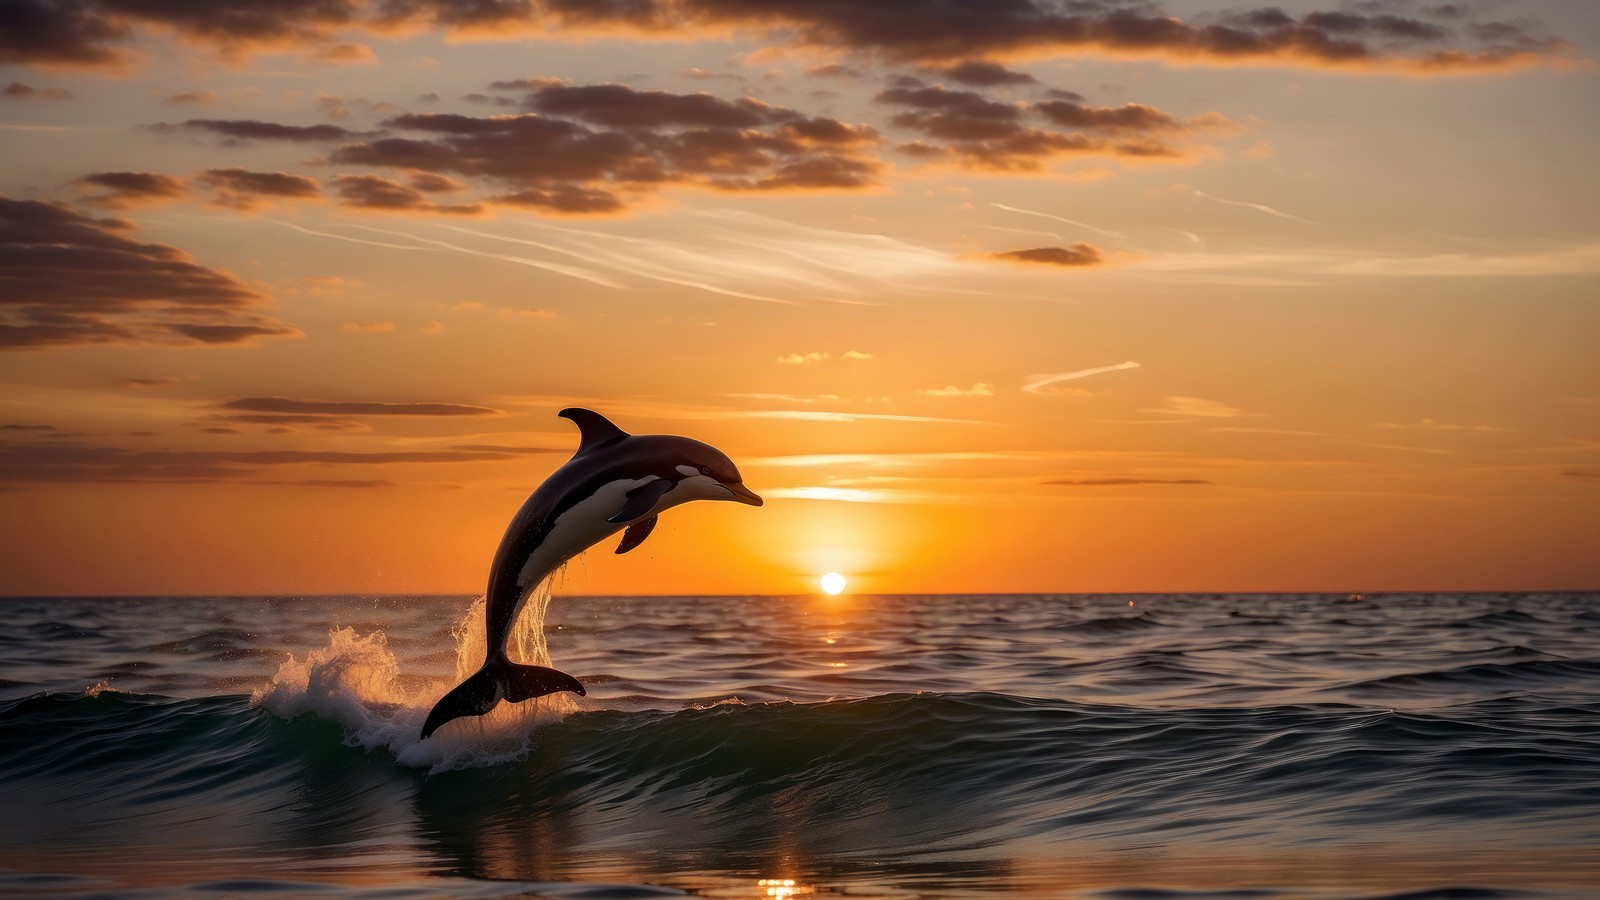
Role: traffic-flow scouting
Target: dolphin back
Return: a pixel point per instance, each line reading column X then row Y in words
column 499, row 677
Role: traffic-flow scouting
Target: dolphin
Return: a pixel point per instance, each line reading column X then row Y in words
column 614, row 481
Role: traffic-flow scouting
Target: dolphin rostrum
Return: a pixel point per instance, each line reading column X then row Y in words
column 616, row 480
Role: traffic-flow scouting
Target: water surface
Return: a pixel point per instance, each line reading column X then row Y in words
column 1433, row 746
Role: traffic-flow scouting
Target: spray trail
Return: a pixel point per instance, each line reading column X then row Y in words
column 356, row 681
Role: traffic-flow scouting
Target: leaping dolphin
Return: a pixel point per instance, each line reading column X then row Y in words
column 616, row 480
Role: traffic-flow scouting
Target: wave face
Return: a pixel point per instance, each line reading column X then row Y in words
column 1254, row 746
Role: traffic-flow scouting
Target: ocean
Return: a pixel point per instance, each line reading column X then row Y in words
column 1169, row 747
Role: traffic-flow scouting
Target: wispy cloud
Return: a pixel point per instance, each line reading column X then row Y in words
column 355, row 408
column 1200, row 408
column 981, row 389
column 1259, row 207
column 1036, row 384
column 1044, row 215
column 1122, row 482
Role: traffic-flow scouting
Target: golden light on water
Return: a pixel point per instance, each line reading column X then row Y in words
column 832, row 584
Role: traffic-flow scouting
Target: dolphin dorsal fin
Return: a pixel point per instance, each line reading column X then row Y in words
column 593, row 428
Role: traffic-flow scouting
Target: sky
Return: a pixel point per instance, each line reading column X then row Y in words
column 1022, row 295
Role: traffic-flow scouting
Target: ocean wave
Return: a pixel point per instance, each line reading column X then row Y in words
column 902, row 770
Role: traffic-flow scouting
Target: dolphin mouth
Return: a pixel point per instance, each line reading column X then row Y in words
column 743, row 494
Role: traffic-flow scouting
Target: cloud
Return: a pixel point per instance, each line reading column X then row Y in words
column 936, row 31
column 193, row 98
column 979, row 132
column 44, row 463
column 293, row 405
column 1120, row 482
column 1199, row 407
column 585, row 149
column 67, row 279
column 833, row 70
column 1045, row 215
column 1076, row 256
column 983, row 73
column 243, row 189
column 97, row 33
column 977, row 390
column 17, row 90
column 855, row 354
column 347, row 55
column 150, row 384
column 375, row 193
column 797, row 359
column 1260, row 207
column 1036, row 384
column 242, row 130
column 368, row 327
column 129, row 190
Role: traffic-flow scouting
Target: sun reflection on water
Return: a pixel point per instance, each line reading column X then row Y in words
column 782, row 887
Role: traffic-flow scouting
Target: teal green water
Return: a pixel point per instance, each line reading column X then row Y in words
column 1177, row 747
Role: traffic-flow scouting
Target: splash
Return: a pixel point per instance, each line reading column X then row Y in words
column 356, row 681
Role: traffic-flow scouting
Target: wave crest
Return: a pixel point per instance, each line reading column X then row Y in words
column 356, row 682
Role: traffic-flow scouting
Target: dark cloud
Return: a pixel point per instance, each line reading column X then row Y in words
column 496, row 448
column 255, row 130
column 95, row 32
column 984, row 133
column 945, row 31
column 1127, row 117
column 983, row 73
column 67, row 278
column 127, row 190
column 193, row 98
column 586, row 148
column 16, row 90
column 42, row 463
column 1076, row 256
column 15, row 427
column 435, row 184
column 833, row 70
column 146, row 384
column 619, row 106
column 567, row 199
column 322, row 423
column 295, row 406
column 1583, row 475
column 243, row 189
column 375, row 193
column 1118, row 482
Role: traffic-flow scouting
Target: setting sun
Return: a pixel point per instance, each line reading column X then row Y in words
column 833, row 584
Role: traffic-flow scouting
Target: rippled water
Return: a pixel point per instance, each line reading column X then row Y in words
column 1056, row 746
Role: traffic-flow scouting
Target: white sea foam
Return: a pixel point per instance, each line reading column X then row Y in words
column 355, row 681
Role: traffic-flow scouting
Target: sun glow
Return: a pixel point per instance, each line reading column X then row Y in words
column 832, row 583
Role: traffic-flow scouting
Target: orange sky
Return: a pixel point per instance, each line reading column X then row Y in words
column 1113, row 297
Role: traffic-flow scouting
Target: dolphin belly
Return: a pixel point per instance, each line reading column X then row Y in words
column 580, row 527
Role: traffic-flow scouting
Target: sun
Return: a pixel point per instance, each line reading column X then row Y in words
column 833, row 583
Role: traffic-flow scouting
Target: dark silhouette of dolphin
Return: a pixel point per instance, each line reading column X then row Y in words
column 616, row 480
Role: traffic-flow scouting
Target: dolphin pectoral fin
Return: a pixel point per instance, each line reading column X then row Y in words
column 642, row 499
column 528, row 682
column 636, row 534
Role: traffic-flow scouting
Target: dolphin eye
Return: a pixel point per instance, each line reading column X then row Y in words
column 705, row 470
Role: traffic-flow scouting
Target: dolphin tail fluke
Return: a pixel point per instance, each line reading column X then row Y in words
column 528, row 682
column 499, row 678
